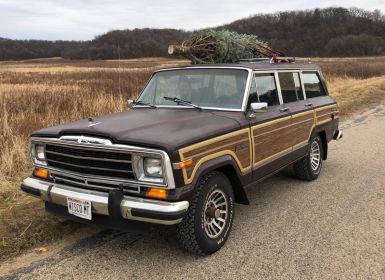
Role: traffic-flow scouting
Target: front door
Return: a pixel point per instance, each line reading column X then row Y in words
column 270, row 131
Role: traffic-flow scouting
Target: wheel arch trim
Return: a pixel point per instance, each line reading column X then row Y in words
column 220, row 164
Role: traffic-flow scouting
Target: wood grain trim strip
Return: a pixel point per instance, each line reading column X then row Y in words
column 214, row 155
column 287, row 150
column 324, row 121
column 320, row 115
column 303, row 114
column 218, row 148
column 271, row 122
column 251, row 139
column 325, row 107
column 272, row 157
column 213, row 140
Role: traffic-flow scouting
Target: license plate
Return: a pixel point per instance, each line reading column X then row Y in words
column 79, row 207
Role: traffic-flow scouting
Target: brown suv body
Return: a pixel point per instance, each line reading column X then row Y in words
column 245, row 144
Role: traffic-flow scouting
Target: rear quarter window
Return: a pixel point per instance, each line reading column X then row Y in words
column 313, row 85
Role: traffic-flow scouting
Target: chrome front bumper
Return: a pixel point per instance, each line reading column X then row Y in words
column 131, row 208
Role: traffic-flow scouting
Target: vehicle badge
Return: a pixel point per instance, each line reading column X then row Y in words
column 91, row 122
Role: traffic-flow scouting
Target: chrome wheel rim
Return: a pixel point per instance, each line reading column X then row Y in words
column 215, row 213
column 315, row 156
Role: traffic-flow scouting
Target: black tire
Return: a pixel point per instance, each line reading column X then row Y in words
column 303, row 169
column 192, row 232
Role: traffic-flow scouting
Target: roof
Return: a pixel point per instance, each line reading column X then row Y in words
column 260, row 65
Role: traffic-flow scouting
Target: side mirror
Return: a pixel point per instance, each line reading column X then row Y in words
column 260, row 107
column 131, row 103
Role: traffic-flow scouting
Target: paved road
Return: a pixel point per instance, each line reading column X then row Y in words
column 331, row 228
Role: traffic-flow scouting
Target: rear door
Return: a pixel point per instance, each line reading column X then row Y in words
column 294, row 100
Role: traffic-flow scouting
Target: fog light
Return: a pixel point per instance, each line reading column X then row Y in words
column 41, row 173
column 157, row 193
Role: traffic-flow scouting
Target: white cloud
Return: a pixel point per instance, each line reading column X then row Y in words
column 83, row 19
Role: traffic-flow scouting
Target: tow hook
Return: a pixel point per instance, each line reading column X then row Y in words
column 337, row 135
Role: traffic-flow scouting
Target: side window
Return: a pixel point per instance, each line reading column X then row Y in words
column 312, row 84
column 264, row 89
column 290, row 86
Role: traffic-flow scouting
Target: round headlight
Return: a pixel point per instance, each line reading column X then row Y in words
column 153, row 167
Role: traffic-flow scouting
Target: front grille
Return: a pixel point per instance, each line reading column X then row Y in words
column 93, row 184
column 112, row 164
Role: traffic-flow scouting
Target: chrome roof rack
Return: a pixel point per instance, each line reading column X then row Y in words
column 256, row 59
column 277, row 59
column 288, row 59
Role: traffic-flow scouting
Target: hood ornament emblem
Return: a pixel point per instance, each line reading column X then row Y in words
column 91, row 122
column 86, row 139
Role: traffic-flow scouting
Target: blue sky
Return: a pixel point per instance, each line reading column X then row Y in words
column 83, row 19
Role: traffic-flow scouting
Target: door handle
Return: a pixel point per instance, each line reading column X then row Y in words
column 284, row 109
column 308, row 104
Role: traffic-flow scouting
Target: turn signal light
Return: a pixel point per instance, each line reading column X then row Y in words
column 157, row 193
column 185, row 163
column 41, row 172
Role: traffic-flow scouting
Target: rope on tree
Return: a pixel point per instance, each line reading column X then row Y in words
column 222, row 46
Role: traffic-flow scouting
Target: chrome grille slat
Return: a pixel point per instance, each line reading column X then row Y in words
column 91, row 158
column 96, row 168
column 77, row 151
column 113, row 164
column 93, row 184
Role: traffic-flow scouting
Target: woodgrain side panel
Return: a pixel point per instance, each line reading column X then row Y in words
column 261, row 143
column 302, row 125
column 275, row 138
column 326, row 114
column 268, row 144
column 236, row 144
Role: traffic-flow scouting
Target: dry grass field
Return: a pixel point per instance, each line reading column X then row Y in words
column 46, row 92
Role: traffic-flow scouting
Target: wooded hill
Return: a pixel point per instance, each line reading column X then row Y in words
column 318, row 32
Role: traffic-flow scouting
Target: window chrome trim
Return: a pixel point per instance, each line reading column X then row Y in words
column 302, row 85
column 169, row 182
column 321, row 79
column 278, row 87
column 294, row 70
column 276, row 80
column 299, row 71
column 245, row 93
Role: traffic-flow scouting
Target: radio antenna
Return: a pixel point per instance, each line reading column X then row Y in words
column 120, row 92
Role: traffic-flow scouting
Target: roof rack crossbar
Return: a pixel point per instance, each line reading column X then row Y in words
column 253, row 59
column 276, row 59
column 287, row 59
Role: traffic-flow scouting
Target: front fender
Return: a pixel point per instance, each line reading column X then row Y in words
column 227, row 165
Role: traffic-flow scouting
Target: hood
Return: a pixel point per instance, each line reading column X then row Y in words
column 166, row 129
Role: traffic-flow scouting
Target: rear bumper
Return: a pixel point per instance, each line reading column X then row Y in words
column 337, row 135
column 109, row 204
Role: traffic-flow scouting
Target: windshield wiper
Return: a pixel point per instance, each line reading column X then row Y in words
column 138, row 102
column 181, row 101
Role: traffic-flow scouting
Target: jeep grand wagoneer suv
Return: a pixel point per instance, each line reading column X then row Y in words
column 185, row 151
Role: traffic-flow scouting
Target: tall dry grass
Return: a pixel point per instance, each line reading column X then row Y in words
column 352, row 67
column 44, row 93
column 30, row 101
column 40, row 93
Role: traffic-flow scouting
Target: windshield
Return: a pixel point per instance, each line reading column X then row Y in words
column 211, row 87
